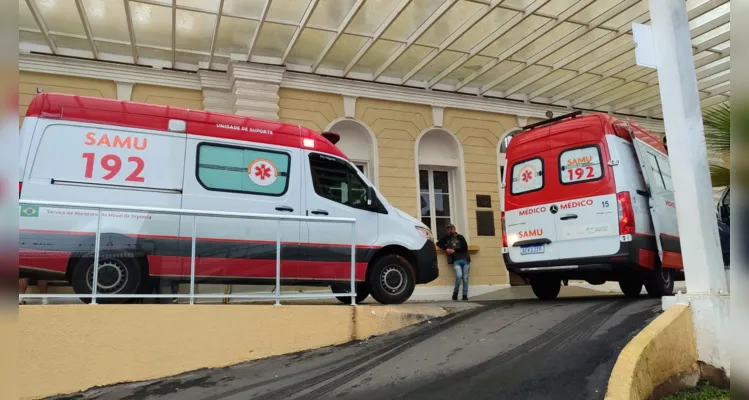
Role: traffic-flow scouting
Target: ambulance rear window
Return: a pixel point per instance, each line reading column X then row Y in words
column 527, row 176
column 581, row 164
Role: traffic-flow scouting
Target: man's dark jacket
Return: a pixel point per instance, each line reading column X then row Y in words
column 457, row 243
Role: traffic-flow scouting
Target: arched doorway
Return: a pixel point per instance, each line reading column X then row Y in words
column 441, row 190
column 359, row 144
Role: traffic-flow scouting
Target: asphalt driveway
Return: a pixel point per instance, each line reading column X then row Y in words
column 526, row 349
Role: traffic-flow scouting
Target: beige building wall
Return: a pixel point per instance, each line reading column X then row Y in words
column 480, row 134
column 29, row 82
column 165, row 96
column 396, row 127
column 310, row 109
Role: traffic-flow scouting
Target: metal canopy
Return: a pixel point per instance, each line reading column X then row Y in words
column 572, row 53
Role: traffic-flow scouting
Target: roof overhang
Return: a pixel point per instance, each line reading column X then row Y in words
column 562, row 53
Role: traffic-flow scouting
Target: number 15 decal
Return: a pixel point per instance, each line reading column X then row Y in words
column 113, row 164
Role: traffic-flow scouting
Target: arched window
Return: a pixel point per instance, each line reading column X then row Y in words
column 359, row 144
column 441, row 183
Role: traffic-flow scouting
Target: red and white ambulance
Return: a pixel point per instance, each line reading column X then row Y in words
column 590, row 198
column 97, row 151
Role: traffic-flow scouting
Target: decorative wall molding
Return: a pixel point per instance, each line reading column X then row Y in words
column 522, row 121
column 438, row 114
column 349, row 106
column 293, row 80
column 107, row 71
column 217, row 94
column 214, row 80
column 255, row 89
column 124, row 90
column 347, row 87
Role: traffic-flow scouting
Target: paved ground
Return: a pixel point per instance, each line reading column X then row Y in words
column 519, row 349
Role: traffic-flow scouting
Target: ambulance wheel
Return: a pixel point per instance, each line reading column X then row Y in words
column 661, row 282
column 546, row 288
column 391, row 279
column 119, row 273
column 362, row 292
column 631, row 288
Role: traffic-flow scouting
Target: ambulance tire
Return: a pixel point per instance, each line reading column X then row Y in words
column 631, row 288
column 391, row 279
column 661, row 282
column 546, row 288
column 362, row 292
column 120, row 273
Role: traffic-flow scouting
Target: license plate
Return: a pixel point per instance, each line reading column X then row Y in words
column 532, row 249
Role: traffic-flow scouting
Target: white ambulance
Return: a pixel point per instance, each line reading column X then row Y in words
column 98, row 151
column 590, row 198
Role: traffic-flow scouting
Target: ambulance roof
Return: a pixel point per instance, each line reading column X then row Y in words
column 582, row 128
column 201, row 123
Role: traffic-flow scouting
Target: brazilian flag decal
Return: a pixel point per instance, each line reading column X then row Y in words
column 30, row 211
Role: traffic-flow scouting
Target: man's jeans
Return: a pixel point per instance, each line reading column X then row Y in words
column 461, row 274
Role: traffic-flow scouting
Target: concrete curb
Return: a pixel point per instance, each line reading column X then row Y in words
column 665, row 349
column 71, row 348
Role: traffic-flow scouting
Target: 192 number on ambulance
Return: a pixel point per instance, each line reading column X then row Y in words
column 576, row 174
column 112, row 164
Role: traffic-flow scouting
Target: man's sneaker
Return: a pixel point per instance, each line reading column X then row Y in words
column 45, row 301
column 455, row 296
column 465, row 297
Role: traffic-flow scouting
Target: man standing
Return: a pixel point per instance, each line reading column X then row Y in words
column 456, row 248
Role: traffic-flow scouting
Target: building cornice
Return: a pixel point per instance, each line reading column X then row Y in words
column 293, row 80
column 107, row 71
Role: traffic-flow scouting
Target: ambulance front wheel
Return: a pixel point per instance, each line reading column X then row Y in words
column 546, row 288
column 362, row 292
column 119, row 273
column 660, row 282
column 391, row 279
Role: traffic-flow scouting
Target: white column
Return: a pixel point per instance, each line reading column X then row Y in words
column 698, row 230
column 700, row 247
column 217, row 95
column 255, row 88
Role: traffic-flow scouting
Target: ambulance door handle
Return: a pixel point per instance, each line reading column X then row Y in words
column 285, row 208
column 569, row 216
column 319, row 212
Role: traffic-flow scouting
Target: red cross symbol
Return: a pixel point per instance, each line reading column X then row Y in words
column 527, row 176
column 262, row 171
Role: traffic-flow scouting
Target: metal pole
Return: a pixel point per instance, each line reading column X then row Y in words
column 192, row 259
column 97, row 244
column 353, row 263
column 278, row 262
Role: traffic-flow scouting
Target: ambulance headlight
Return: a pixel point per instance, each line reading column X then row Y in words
column 426, row 233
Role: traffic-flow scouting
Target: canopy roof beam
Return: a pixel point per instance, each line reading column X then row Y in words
column 341, row 28
column 445, row 7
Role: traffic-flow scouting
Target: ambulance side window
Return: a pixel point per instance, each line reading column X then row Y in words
column 654, row 165
column 527, row 176
column 337, row 181
column 582, row 164
column 665, row 168
column 242, row 169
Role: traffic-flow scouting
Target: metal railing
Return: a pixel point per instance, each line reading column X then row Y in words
column 195, row 214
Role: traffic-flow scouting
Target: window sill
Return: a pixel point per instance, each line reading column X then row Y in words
column 472, row 249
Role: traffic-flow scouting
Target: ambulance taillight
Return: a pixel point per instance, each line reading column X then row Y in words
column 626, row 214
column 504, row 232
